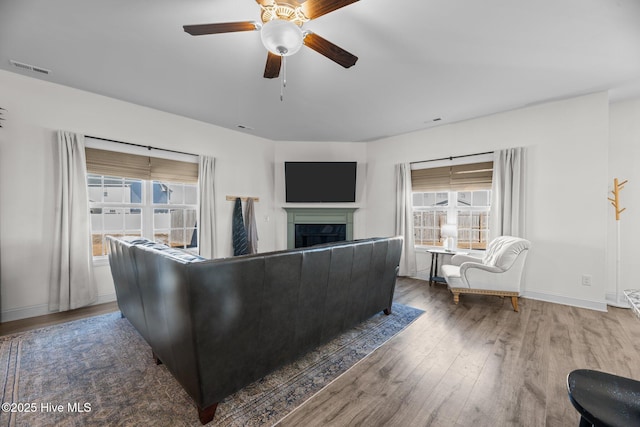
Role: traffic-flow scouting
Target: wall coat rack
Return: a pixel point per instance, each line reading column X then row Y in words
column 615, row 201
column 244, row 199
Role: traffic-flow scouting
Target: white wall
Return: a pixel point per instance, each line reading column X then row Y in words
column 569, row 220
column 567, row 144
column 320, row 152
column 35, row 110
column 624, row 159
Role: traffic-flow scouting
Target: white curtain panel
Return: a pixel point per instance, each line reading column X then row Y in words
column 72, row 283
column 508, row 193
column 207, row 211
column 404, row 219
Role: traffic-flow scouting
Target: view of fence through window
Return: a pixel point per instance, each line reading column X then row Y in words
column 469, row 210
column 160, row 211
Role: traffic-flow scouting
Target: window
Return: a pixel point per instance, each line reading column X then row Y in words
column 116, row 206
column 472, row 209
column 459, row 194
column 429, row 215
column 175, row 214
column 468, row 209
column 161, row 211
column 132, row 195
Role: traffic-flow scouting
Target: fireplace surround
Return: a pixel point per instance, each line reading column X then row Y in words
column 318, row 225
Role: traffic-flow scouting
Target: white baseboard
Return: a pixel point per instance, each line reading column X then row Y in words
column 24, row 312
column 619, row 301
column 560, row 299
column 556, row 299
column 105, row 298
column 43, row 309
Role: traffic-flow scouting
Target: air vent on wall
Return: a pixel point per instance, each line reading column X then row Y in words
column 28, row 67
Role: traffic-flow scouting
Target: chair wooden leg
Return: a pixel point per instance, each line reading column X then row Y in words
column 514, row 303
column 456, row 297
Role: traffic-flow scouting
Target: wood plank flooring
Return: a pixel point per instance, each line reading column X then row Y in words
column 476, row 364
column 23, row 325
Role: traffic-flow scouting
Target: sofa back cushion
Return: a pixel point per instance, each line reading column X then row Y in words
column 503, row 251
column 125, row 280
column 177, row 254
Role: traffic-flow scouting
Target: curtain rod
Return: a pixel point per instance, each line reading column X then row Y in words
column 148, row 147
column 452, row 157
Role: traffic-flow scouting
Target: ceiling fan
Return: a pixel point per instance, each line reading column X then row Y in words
column 281, row 31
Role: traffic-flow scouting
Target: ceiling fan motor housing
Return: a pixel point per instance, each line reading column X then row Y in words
column 284, row 11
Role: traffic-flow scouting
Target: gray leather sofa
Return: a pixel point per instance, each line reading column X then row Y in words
column 218, row 325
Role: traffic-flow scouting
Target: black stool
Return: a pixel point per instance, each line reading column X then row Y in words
column 603, row 399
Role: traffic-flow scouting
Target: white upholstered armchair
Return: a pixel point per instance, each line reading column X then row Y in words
column 499, row 272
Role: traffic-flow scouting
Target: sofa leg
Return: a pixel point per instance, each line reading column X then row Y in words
column 456, row 297
column 156, row 358
column 514, row 303
column 387, row 311
column 206, row 415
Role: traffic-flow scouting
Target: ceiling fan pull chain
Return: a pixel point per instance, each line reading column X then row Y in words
column 284, row 77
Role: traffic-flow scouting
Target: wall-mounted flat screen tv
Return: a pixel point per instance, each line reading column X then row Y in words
column 317, row 182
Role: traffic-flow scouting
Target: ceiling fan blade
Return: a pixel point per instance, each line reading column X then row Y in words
column 315, row 8
column 225, row 27
column 330, row 50
column 272, row 69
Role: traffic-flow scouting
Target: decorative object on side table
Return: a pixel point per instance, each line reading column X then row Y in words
column 450, row 234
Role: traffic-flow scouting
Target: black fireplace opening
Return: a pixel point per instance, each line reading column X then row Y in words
column 315, row 234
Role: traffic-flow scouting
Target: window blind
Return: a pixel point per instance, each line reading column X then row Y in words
column 113, row 163
column 466, row 177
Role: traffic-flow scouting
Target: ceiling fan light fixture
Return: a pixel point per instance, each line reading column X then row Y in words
column 281, row 37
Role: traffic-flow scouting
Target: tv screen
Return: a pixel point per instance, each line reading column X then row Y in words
column 320, row 181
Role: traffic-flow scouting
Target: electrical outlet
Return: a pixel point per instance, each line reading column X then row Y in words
column 586, row 280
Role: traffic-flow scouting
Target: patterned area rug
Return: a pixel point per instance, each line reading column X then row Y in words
column 99, row 371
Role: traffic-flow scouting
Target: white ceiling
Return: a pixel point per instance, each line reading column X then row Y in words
column 418, row 60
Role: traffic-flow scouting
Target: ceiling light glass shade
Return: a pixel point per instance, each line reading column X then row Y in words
column 281, row 37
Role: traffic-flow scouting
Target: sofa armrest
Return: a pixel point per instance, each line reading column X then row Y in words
column 483, row 267
column 462, row 258
column 480, row 276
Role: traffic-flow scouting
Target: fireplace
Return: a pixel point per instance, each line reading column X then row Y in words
column 313, row 226
column 316, row 234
